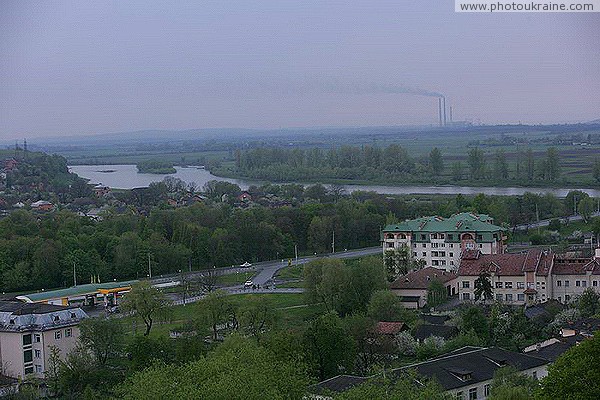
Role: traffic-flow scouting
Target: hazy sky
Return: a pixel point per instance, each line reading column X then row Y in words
column 82, row 67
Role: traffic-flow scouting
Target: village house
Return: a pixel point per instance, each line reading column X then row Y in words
column 42, row 205
column 28, row 331
column 440, row 241
column 412, row 287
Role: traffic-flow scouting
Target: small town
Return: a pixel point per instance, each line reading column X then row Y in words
column 299, row 200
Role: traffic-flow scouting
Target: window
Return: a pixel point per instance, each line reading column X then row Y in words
column 558, row 283
column 56, row 318
column 577, row 283
column 499, row 297
column 466, row 296
column 508, row 285
column 450, row 237
column 424, row 254
column 442, row 254
column 473, row 394
column 451, row 254
column 520, row 297
column 57, row 335
column 460, row 396
column 27, row 356
column 434, row 262
column 520, row 285
column 27, row 339
column 28, row 370
column 68, row 332
column 73, row 315
column 481, row 246
column 434, row 245
column 423, row 237
column 442, row 262
column 509, row 297
column 466, row 284
column 584, row 283
column 414, row 254
column 37, row 338
column 441, row 235
column 498, row 285
column 534, row 374
column 567, row 298
column 451, row 246
column 451, row 262
column 423, row 245
column 38, row 353
column 486, row 390
column 479, row 237
column 595, row 283
column 38, row 369
column 566, row 283
column 434, row 254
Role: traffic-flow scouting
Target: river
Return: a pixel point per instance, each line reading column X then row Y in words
column 127, row 177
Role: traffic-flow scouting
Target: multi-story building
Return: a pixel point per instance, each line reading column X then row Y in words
column 28, row 332
column 532, row 276
column 440, row 241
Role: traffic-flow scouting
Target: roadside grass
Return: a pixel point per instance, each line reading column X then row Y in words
column 291, row 284
column 234, row 279
column 291, row 308
column 291, row 272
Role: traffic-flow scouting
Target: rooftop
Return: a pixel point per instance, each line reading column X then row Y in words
column 421, row 278
column 463, row 222
column 79, row 290
column 508, row 264
column 16, row 316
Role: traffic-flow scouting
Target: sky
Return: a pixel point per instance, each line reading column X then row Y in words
column 88, row 67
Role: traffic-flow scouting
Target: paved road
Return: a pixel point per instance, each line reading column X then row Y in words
column 546, row 222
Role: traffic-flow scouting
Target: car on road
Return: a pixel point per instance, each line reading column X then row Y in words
column 248, row 284
column 246, row 265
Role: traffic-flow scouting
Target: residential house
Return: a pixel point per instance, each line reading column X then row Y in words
column 440, row 241
column 29, row 331
column 572, row 275
column 465, row 373
column 412, row 287
column 245, row 197
column 42, row 205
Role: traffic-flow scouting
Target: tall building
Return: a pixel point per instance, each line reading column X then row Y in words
column 440, row 241
column 29, row 331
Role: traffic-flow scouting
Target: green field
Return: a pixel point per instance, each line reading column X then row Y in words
column 234, row 279
column 291, row 308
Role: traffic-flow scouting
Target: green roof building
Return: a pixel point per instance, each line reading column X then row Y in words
column 440, row 241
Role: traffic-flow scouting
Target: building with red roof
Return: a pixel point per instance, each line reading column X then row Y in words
column 412, row 287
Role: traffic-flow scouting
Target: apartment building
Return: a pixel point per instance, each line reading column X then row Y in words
column 440, row 241
column 28, row 331
column 533, row 276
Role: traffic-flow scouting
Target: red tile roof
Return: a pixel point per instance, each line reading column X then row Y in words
column 390, row 328
column 507, row 264
column 420, row 279
column 576, row 266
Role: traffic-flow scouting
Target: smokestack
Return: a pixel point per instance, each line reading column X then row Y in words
column 450, row 114
column 440, row 109
column 444, row 110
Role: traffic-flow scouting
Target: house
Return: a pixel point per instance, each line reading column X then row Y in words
column 42, row 205
column 571, row 275
column 440, row 241
column 391, row 329
column 28, row 331
column 425, row 331
column 551, row 349
column 244, row 197
column 465, row 373
column 412, row 287
column 101, row 190
column 10, row 164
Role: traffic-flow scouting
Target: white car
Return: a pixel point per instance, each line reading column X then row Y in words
column 248, row 284
column 246, row 265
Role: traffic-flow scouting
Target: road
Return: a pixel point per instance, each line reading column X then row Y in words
column 546, row 222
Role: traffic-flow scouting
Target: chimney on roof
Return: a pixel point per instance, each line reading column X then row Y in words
column 597, row 254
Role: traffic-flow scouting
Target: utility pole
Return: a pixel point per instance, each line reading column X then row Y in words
column 149, row 267
column 74, row 275
column 190, row 263
column 333, row 242
column 296, row 252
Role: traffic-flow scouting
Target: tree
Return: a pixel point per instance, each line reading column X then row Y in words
column 510, row 384
column 473, row 319
column 596, row 170
column 102, row 336
column 399, row 262
column 483, row 287
column 530, row 165
column 217, row 310
column 457, row 171
column 145, row 302
column 436, row 293
column 575, row 374
column 329, row 346
column 586, row 208
column 408, row 386
column 552, row 167
column 238, row 369
column 500, row 165
column 476, row 161
column 436, row 161
column 386, row 306
column 588, row 303
column 257, row 316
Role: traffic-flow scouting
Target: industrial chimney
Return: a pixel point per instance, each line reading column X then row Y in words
column 444, row 111
column 440, row 110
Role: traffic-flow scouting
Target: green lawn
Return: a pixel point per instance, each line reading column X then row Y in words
column 291, row 308
column 292, row 272
column 235, row 279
